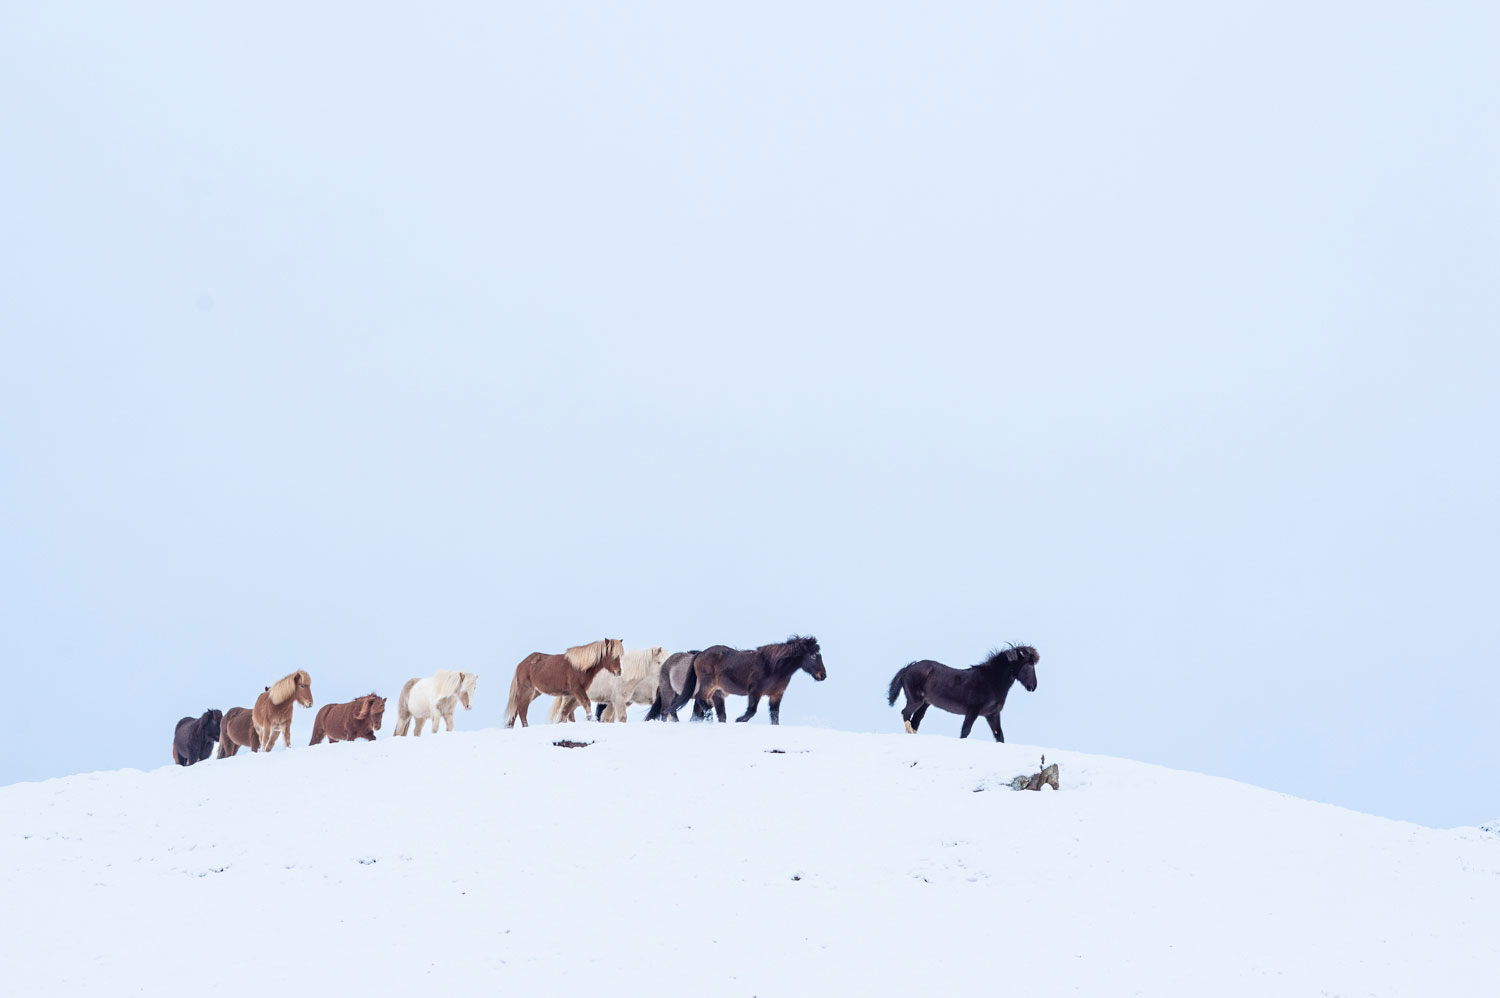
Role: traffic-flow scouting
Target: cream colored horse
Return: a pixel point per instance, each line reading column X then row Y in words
column 640, row 671
column 434, row 698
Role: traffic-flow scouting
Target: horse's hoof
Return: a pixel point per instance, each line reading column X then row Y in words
column 909, row 729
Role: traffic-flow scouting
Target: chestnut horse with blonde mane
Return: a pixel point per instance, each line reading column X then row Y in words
column 272, row 713
column 568, row 674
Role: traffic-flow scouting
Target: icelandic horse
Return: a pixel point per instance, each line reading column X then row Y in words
column 272, row 713
column 568, row 674
column 434, row 699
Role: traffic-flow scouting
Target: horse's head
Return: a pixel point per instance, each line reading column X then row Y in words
column 211, row 720
column 811, row 656
column 304, row 689
column 1025, row 659
column 614, row 648
column 658, row 656
column 466, row 683
column 372, row 708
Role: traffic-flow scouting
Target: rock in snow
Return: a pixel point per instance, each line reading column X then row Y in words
column 695, row 859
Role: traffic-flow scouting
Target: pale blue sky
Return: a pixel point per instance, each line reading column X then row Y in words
column 377, row 341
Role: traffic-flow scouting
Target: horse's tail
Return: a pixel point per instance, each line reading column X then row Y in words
column 403, row 708
column 556, row 715
column 897, row 681
column 655, row 710
column 513, row 705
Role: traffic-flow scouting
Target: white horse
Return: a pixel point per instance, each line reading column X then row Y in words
column 434, row 698
column 640, row 671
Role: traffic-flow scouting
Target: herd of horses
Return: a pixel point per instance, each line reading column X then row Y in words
column 604, row 679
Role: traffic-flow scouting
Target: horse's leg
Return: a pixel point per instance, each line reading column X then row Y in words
column 969, row 720
column 448, row 720
column 754, row 694
column 719, row 709
column 421, row 722
column 917, row 718
column 774, row 702
column 528, row 693
column 994, row 720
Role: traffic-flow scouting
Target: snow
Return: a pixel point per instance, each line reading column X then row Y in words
column 728, row 860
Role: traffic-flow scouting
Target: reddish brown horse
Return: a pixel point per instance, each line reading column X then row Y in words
column 272, row 713
column 344, row 722
column 236, row 730
column 568, row 674
column 766, row 671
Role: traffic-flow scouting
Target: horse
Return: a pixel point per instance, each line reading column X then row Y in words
column 193, row 740
column 640, row 671
column 561, row 675
column 762, row 672
column 434, row 699
column 237, row 730
column 978, row 691
column 272, row 713
column 675, row 687
column 344, row 722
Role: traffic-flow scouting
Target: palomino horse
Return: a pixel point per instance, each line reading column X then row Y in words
column 677, row 679
column 762, row 672
column 568, row 674
column 640, row 671
column 344, row 722
column 237, row 730
column 194, row 739
column 433, row 699
column 272, row 713
column 978, row 691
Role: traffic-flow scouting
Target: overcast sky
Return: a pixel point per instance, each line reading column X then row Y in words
column 373, row 342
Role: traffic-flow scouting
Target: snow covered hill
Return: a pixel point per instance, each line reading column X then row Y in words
column 723, row 860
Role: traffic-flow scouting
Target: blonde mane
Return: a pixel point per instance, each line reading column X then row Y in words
column 445, row 683
column 287, row 685
column 585, row 657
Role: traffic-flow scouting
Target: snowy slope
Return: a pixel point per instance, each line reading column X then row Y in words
column 692, row 859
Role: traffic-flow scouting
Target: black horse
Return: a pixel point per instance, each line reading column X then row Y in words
column 978, row 691
column 195, row 738
column 762, row 672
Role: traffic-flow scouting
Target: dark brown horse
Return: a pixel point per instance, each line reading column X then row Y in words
column 762, row 672
column 568, row 674
column 978, row 691
column 272, row 713
column 237, row 730
column 194, row 739
column 344, row 722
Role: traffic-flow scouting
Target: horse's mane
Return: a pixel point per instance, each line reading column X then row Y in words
column 467, row 681
column 585, row 657
column 795, row 647
column 1011, row 656
column 287, row 685
column 445, row 683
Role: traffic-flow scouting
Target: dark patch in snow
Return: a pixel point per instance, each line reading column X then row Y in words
column 565, row 743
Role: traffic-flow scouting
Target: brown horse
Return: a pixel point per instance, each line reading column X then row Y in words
column 568, row 674
column 344, row 722
column 272, row 713
column 236, row 730
column 766, row 671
